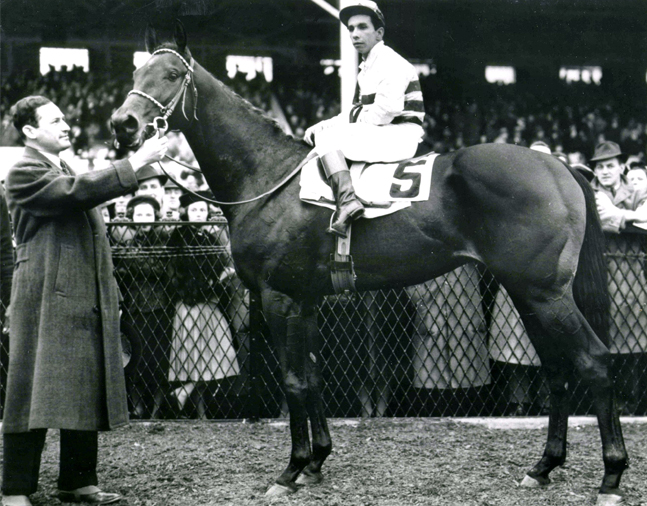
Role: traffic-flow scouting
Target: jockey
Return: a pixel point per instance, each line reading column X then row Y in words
column 385, row 123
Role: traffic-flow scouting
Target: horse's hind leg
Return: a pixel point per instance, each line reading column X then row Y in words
column 290, row 323
column 565, row 329
column 555, row 369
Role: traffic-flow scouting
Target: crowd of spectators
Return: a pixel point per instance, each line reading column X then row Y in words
column 571, row 119
column 571, row 122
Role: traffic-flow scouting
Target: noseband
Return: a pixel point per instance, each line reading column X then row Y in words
column 160, row 123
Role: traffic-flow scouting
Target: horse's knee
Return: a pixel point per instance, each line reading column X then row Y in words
column 295, row 387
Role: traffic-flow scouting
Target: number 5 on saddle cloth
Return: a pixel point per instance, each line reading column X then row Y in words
column 399, row 184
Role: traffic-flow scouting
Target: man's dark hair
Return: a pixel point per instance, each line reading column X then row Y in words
column 24, row 112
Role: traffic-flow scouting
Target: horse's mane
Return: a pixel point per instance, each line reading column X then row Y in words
column 248, row 106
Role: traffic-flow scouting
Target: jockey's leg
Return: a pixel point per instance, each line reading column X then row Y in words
column 348, row 205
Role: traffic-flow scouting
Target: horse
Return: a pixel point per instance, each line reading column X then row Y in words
column 527, row 217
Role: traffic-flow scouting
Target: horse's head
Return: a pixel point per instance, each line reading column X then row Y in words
column 160, row 87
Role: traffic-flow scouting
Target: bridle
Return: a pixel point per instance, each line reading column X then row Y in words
column 160, row 125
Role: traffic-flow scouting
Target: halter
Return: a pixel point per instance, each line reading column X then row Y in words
column 160, row 123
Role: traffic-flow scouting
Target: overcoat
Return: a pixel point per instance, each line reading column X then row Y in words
column 65, row 364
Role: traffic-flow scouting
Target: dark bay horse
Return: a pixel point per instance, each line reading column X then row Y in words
column 527, row 217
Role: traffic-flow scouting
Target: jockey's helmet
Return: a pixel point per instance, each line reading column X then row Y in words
column 354, row 7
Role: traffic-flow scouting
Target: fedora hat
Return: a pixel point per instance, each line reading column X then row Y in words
column 606, row 150
column 362, row 7
column 149, row 172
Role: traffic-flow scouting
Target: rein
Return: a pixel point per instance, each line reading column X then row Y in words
column 310, row 156
column 160, row 125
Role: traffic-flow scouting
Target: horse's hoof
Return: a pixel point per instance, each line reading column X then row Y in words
column 277, row 490
column 530, row 482
column 609, row 499
column 306, row 478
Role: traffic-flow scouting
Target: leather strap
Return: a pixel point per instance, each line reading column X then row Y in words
column 342, row 271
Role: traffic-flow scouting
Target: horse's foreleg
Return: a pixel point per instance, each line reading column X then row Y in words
column 288, row 327
column 321, row 441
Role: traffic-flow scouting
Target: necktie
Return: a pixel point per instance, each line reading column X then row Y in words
column 66, row 168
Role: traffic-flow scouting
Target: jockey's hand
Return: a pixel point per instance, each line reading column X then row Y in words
column 309, row 136
column 151, row 151
column 311, row 133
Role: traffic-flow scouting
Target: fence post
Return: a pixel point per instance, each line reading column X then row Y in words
column 255, row 358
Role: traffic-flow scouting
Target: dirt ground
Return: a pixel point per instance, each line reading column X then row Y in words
column 374, row 462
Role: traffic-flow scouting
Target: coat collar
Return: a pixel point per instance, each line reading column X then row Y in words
column 372, row 55
column 624, row 192
column 38, row 155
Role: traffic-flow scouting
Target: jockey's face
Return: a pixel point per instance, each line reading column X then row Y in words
column 608, row 173
column 363, row 34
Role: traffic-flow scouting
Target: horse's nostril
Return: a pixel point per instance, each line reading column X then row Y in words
column 125, row 123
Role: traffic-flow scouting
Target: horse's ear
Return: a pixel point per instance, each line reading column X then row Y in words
column 180, row 36
column 151, row 38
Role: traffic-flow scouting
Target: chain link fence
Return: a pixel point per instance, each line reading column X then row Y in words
column 453, row 346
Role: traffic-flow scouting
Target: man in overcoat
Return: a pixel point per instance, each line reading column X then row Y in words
column 65, row 364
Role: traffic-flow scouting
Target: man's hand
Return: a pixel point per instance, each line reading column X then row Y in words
column 311, row 133
column 153, row 150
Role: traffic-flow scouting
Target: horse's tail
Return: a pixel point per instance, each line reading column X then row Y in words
column 590, row 287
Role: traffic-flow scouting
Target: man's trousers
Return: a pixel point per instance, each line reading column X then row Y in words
column 22, row 454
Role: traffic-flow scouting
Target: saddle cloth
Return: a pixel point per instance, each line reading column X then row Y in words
column 399, row 183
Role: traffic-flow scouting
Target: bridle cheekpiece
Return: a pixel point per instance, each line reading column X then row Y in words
column 160, row 123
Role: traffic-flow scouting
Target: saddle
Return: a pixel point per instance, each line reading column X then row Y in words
column 383, row 188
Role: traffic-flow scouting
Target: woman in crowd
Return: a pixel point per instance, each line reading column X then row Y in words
column 202, row 349
column 143, row 275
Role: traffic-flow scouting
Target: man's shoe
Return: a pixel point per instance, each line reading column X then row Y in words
column 15, row 500
column 90, row 495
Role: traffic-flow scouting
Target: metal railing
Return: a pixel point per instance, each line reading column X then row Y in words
column 453, row 346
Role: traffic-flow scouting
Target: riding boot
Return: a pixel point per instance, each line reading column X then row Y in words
column 348, row 205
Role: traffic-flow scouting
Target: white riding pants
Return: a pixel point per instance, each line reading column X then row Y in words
column 363, row 142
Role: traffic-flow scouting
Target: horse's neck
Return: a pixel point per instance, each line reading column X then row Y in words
column 241, row 153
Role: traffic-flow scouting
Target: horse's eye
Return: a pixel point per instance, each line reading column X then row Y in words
column 173, row 76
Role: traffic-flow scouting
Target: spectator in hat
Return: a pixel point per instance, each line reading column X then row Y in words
column 121, row 234
column 385, row 123
column 202, row 351
column 151, row 182
column 171, row 203
column 620, row 205
column 143, row 274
